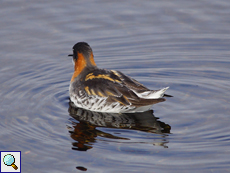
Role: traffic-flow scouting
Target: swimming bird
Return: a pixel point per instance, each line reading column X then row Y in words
column 102, row 90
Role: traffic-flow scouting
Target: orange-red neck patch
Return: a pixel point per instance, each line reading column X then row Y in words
column 80, row 64
column 92, row 59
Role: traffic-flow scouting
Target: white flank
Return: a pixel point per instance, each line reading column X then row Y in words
column 98, row 104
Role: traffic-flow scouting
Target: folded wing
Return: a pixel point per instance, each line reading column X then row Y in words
column 117, row 87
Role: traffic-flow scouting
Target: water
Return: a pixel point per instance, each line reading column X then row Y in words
column 181, row 44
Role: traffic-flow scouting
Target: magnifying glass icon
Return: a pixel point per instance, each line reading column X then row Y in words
column 9, row 160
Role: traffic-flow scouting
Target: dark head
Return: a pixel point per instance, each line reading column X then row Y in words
column 82, row 48
column 82, row 57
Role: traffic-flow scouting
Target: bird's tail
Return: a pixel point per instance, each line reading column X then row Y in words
column 155, row 94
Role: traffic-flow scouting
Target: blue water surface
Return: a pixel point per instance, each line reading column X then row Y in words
column 181, row 44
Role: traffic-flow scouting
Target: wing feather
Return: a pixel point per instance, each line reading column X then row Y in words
column 130, row 82
column 116, row 87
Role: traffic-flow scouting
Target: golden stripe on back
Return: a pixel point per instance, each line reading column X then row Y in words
column 100, row 76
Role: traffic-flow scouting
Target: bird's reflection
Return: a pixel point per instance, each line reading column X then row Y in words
column 84, row 130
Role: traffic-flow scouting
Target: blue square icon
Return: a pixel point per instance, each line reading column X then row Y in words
column 10, row 161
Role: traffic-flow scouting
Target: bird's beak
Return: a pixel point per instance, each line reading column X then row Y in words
column 70, row 55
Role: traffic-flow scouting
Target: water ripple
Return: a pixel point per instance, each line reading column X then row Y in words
column 184, row 45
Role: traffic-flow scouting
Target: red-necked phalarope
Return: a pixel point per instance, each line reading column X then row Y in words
column 104, row 90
